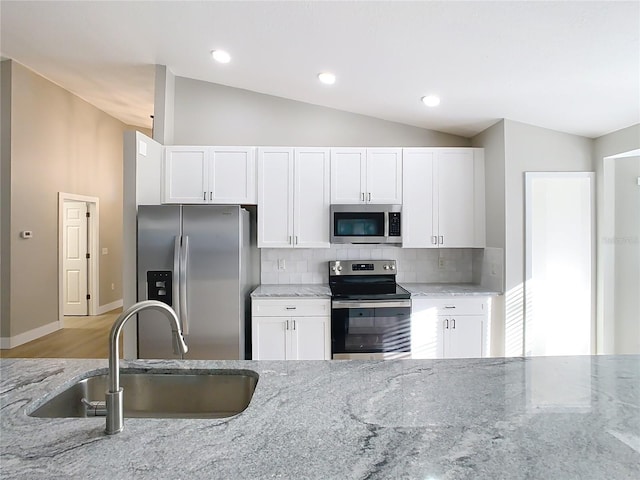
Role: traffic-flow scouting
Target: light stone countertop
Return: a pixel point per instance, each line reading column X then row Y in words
column 535, row 418
column 319, row 290
column 416, row 290
column 447, row 289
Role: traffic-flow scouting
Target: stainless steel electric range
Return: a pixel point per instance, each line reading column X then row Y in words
column 370, row 312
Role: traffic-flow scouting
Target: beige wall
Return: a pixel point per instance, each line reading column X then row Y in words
column 59, row 143
column 5, row 193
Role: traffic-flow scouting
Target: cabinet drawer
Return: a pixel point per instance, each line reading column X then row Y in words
column 287, row 307
column 454, row 305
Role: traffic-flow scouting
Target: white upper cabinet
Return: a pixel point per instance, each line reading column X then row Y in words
column 443, row 204
column 232, row 175
column 366, row 175
column 185, row 174
column 293, row 197
column 275, row 197
column 222, row 175
column 348, row 166
column 312, row 203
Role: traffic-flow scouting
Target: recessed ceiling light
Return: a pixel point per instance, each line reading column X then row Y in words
column 327, row 78
column 431, row 100
column 221, row 56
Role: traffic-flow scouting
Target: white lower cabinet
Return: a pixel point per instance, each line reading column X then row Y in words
column 449, row 328
column 291, row 329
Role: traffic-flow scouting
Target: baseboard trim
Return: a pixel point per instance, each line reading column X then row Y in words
column 22, row 338
column 109, row 306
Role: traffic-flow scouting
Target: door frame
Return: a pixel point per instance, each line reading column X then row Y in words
column 606, row 268
column 93, row 204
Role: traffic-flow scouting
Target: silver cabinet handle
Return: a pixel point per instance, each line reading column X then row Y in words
column 290, row 308
column 290, row 240
column 446, row 323
column 441, row 239
column 362, row 196
column 210, row 195
column 204, row 196
column 296, row 240
column 294, row 324
column 450, row 306
column 287, row 325
column 453, row 323
column 434, row 240
column 369, row 196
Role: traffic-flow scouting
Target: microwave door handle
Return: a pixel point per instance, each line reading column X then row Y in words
column 175, row 288
column 184, row 263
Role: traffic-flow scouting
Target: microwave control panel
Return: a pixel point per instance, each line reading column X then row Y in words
column 394, row 224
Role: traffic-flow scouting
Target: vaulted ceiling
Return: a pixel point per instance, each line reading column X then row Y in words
column 569, row 66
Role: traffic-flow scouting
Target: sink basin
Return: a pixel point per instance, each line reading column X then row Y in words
column 213, row 394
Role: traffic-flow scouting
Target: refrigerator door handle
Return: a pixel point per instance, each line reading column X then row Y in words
column 175, row 290
column 184, row 261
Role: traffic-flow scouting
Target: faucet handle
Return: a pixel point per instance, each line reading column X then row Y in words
column 179, row 345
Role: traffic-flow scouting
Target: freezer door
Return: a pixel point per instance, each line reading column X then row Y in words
column 213, row 301
column 158, row 228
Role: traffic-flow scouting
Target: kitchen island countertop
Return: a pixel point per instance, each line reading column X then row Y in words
column 502, row 418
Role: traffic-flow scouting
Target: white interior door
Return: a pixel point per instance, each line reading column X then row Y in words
column 74, row 244
column 559, row 316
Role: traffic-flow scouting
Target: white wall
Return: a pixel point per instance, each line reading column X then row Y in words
column 626, row 242
column 530, row 149
column 212, row 114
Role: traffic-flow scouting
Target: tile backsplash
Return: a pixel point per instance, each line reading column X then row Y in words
column 422, row 265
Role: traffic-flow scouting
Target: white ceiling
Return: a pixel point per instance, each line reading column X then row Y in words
column 569, row 66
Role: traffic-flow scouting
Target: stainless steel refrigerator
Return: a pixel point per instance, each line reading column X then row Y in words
column 201, row 260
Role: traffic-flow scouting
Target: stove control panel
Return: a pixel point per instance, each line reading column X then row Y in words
column 359, row 267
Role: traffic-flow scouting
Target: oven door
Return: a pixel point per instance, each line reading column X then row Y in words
column 359, row 329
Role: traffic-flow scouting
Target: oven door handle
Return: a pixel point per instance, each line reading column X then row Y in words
column 372, row 304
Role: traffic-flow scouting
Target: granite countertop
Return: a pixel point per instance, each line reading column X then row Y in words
column 514, row 418
column 447, row 289
column 304, row 290
column 416, row 290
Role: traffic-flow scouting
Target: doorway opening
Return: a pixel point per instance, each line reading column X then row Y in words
column 78, row 228
column 619, row 312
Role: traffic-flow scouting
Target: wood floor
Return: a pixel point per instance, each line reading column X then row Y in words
column 81, row 337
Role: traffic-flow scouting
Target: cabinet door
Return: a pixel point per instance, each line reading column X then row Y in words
column 311, row 198
column 464, row 336
column 427, row 334
column 348, row 175
column 418, row 198
column 275, row 197
column 456, row 222
column 185, row 175
column 311, row 338
column 232, row 175
column 269, row 337
column 384, row 176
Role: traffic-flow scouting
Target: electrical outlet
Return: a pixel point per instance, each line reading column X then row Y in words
column 441, row 263
column 494, row 269
column 113, row 286
column 281, row 264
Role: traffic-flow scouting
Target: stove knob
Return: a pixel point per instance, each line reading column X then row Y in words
column 385, row 266
column 333, row 268
column 393, row 267
column 339, row 268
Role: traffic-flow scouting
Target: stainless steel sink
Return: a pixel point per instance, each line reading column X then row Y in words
column 214, row 394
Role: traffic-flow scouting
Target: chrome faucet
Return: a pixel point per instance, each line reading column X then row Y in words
column 114, row 398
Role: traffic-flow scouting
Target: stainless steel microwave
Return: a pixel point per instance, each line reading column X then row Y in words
column 366, row 223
